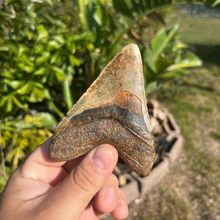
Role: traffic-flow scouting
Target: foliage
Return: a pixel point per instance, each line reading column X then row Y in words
column 50, row 52
column 39, row 57
column 19, row 137
column 127, row 13
column 42, row 65
column 165, row 58
column 111, row 20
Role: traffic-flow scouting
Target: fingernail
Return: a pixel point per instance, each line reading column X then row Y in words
column 122, row 203
column 109, row 195
column 103, row 157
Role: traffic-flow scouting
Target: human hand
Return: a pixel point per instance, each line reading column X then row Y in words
column 83, row 188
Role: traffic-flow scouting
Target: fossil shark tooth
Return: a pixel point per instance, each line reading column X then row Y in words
column 113, row 110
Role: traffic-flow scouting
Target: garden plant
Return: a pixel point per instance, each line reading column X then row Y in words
column 51, row 51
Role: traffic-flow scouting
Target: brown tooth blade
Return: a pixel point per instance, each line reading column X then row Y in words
column 113, row 110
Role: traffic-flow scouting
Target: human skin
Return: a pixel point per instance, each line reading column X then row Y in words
column 83, row 188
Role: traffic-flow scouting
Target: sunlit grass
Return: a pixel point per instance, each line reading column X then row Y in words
column 200, row 30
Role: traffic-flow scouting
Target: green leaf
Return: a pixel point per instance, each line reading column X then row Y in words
column 7, row 128
column 85, row 36
column 39, row 49
column 47, row 121
column 40, row 71
column 26, row 68
column 74, row 61
column 50, row 2
column 121, row 7
column 4, row 99
column 25, row 89
column 179, row 45
column 32, row 15
column 7, row 75
column 68, row 98
column 148, row 58
column 150, row 87
column 37, row 95
column 12, row 14
column 56, row 58
column 4, row 48
column 22, row 49
column 56, row 110
column 59, row 38
column 70, row 73
column 162, row 40
column 18, row 103
column 157, row 46
column 158, row 43
column 50, row 77
column 71, row 47
column 44, row 58
column 8, row 104
column 24, row 59
column 162, row 62
column 98, row 16
column 15, row 84
column 46, row 93
column 53, row 45
column 3, row 181
column 42, row 32
column 29, row 34
column 190, row 61
column 59, row 73
column 12, row 47
column 29, row 122
column 172, row 74
column 53, row 21
column 83, row 14
column 215, row 3
column 90, row 47
column 38, row 84
column 16, row 154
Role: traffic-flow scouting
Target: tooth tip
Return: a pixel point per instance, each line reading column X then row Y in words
column 132, row 49
column 131, row 46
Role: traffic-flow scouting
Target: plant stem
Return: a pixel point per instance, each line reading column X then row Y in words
column 1, row 149
column 4, row 173
column 12, row 144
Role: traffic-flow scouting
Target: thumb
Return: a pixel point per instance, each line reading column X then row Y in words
column 73, row 194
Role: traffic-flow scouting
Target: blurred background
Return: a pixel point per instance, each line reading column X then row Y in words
column 52, row 50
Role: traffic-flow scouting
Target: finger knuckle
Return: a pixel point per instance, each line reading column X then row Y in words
column 84, row 179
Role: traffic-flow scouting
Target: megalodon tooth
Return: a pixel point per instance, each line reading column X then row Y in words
column 112, row 111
